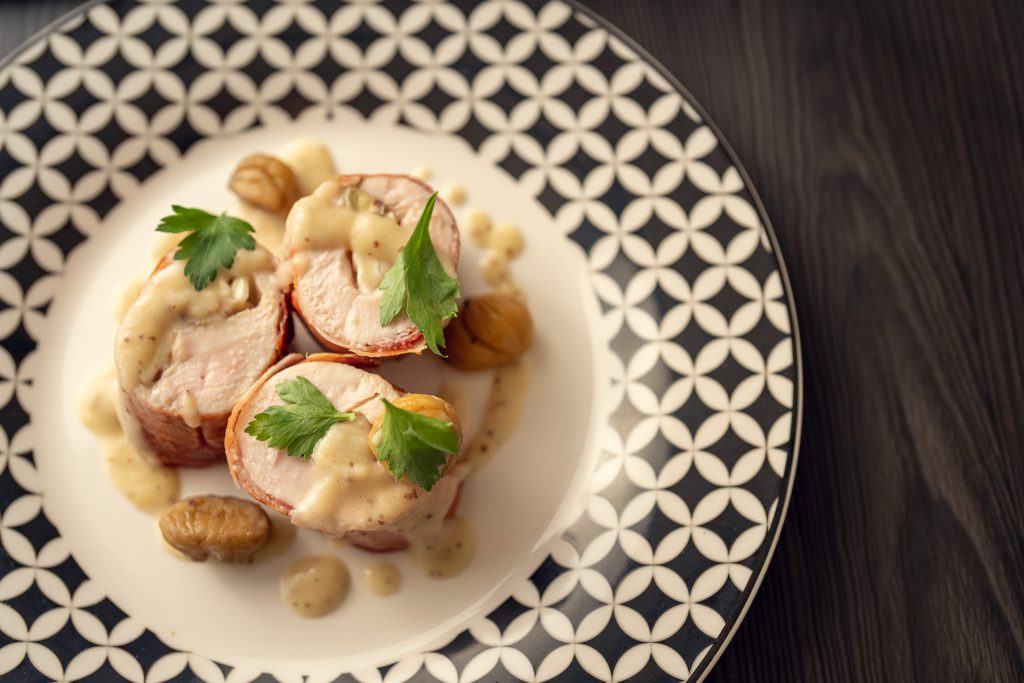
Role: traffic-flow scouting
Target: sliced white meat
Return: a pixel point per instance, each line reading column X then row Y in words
column 184, row 357
column 342, row 239
column 342, row 490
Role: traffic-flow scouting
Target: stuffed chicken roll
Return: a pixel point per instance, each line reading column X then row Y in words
column 341, row 489
column 185, row 357
column 342, row 239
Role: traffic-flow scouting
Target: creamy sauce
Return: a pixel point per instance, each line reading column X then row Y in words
column 326, row 221
column 268, row 226
column 451, row 393
column 315, row 585
column 311, row 164
column 357, row 493
column 310, row 161
column 126, row 296
column 97, row 402
column 507, row 239
column 282, row 538
column 165, row 244
column 502, row 243
column 494, row 268
column 134, row 433
column 382, row 578
column 151, row 335
column 422, row 172
column 443, row 552
column 453, row 194
column 509, row 386
column 149, row 488
column 477, row 225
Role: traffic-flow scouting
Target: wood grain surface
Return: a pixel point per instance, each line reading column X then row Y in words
column 885, row 139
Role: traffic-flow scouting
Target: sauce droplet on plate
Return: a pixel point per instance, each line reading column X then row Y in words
column 382, row 578
column 315, row 585
column 444, row 552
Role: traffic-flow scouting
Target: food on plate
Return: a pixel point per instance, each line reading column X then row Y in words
column 490, row 330
column 196, row 338
column 200, row 372
column 505, row 400
column 506, row 240
column 315, row 585
column 477, row 225
column 224, row 528
column 502, row 243
column 145, row 484
column 148, row 486
column 444, row 550
column 382, row 578
column 310, row 164
column 453, row 194
column 299, row 442
column 346, row 237
column 406, row 415
column 265, row 181
column 97, row 402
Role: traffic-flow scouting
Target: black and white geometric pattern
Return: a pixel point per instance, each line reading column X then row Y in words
column 697, row 455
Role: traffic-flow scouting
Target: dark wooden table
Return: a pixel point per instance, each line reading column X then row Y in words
column 886, row 139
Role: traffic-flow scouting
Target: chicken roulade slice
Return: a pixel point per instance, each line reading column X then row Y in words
column 184, row 357
column 342, row 490
column 342, row 239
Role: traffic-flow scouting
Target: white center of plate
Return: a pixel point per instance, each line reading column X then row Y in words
column 517, row 503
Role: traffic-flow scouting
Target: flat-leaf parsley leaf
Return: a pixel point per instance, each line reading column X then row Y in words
column 213, row 242
column 415, row 445
column 419, row 284
column 299, row 424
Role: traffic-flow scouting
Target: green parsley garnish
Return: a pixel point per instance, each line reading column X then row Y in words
column 419, row 284
column 213, row 242
column 415, row 445
column 300, row 424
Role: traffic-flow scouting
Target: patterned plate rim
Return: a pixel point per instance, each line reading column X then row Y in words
column 798, row 404
column 798, row 409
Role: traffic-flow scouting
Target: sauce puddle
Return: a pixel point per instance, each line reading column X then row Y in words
column 382, row 578
column 282, row 538
column 151, row 488
column 315, row 585
column 444, row 552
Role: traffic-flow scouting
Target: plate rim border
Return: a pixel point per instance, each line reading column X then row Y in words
column 719, row 647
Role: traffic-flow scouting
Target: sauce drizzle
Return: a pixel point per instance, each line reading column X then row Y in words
column 509, row 386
